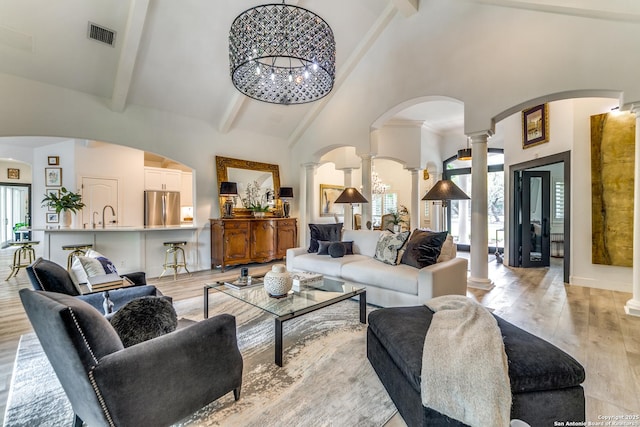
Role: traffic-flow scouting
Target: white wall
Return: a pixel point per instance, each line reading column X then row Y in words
column 101, row 160
column 570, row 130
column 24, row 168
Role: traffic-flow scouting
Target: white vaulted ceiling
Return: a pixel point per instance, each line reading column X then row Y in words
column 172, row 55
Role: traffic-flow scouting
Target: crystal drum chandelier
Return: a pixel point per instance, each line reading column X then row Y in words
column 282, row 54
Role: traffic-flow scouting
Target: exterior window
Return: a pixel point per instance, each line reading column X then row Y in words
column 558, row 201
column 382, row 204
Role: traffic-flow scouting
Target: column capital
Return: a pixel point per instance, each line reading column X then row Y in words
column 635, row 108
column 480, row 137
column 310, row 165
column 367, row 156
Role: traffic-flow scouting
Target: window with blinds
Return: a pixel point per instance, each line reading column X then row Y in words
column 382, row 204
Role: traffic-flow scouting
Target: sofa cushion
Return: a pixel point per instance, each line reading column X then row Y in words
column 448, row 251
column 326, row 232
column 143, row 319
column 388, row 245
column 400, row 278
column 364, row 241
column 323, row 247
column 534, row 364
column 423, row 248
column 324, row 264
column 46, row 275
column 79, row 268
column 337, row 250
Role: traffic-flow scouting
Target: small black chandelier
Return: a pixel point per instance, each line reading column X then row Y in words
column 282, row 54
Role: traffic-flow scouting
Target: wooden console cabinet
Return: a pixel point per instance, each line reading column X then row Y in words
column 246, row 240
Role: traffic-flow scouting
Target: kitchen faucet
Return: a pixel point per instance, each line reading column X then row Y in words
column 113, row 212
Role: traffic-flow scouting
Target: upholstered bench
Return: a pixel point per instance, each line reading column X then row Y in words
column 545, row 381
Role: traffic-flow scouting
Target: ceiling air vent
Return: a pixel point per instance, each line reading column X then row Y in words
column 101, row 34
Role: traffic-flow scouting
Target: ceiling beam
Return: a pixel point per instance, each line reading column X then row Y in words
column 407, row 7
column 232, row 112
column 350, row 64
column 129, row 53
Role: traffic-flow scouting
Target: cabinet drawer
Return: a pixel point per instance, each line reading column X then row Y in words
column 287, row 223
column 236, row 225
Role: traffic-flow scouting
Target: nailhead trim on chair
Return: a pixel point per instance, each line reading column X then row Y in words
column 91, row 379
column 100, row 399
column 86, row 343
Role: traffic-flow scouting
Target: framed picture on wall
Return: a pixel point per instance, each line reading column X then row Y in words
column 55, row 191
column 53, row 177
column 13, row 173
column 52, row 218
column 535, row 126
column 53, row 160
column 328, row 195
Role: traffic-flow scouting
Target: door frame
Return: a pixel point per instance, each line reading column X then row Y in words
column 564, row 157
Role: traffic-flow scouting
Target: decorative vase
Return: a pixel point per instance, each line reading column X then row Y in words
column 259, row 214
column 396, row 228
column 65, row 219
column 278, row 281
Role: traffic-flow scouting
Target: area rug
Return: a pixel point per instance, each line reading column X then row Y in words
column 326, row 379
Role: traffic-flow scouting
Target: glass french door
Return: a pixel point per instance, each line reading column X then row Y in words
column 535, row 242
column 460, row 210
column 14, row 209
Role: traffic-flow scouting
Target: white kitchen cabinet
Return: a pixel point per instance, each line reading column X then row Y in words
column 186, row 191
column 162, row 179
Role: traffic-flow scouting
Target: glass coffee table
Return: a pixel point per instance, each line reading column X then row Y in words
column 295, row 304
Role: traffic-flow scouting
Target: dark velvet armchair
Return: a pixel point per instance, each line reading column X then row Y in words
column 46, row 275
column 154, row 383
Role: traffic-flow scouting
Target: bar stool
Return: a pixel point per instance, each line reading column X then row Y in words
column 79, row 249
column 23, row 256
column 173, row 249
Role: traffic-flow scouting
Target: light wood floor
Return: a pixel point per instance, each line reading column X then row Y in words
column 589, row 324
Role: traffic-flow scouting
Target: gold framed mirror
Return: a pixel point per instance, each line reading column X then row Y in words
column 248, row 175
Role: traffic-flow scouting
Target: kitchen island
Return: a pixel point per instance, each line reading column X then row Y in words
column 130, row 248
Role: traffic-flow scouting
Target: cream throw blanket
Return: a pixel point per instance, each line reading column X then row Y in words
column 464, row 367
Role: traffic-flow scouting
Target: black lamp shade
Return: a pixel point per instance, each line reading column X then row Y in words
column 351, row 195
column 286, row 192
column 445, row 189
column 228, row 188
column 464, row 154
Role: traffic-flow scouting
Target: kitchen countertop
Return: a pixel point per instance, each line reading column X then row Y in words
column 117, row 228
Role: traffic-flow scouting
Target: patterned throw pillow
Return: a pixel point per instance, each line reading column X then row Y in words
column 97, row 266
column 388, row 246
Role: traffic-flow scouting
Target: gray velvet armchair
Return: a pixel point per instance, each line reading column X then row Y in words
column 153, row 383
column 46, row 275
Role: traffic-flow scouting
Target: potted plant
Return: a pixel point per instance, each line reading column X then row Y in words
column 64, row 203
column 399, row 216
column 256, row 199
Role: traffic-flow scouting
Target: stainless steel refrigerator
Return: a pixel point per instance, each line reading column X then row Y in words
column 162, row 208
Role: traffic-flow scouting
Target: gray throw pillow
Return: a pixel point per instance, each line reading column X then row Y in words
column 325, row 232
column 323, row 247
column 423, row 248
column 143, row 319
column 337, row 250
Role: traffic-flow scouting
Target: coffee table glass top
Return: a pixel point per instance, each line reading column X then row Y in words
column 308, row 296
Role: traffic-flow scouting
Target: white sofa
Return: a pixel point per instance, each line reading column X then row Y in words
column 387, row 285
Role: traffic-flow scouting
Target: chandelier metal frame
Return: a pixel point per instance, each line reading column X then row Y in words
column 282, row 54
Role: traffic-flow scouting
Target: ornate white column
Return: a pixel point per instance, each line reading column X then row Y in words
column 633, row 305
column 348, row 209
column 307, row 187
column 414, row 209
column 367, row 160
column 479, row 277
